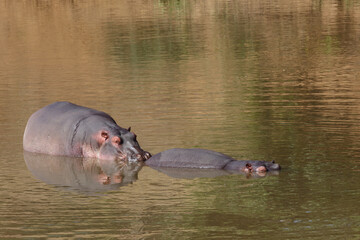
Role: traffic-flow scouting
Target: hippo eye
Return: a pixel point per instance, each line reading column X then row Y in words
column 117, row 140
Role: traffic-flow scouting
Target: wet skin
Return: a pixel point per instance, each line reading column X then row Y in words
column 66, row 129
column 202, row 158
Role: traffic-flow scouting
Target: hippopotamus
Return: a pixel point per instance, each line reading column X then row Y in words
column 66, row 129
column 207, row 159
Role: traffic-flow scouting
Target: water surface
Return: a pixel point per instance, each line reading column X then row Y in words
column 261, row 80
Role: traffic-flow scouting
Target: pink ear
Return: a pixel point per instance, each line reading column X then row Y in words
column 104, row 135
column 101, row 137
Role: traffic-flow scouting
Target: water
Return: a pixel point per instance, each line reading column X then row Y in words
column 257, row 80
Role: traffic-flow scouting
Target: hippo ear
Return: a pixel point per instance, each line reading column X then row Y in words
column 129, row 129
column 104, row 135
column 249, row 167
column 101, row 136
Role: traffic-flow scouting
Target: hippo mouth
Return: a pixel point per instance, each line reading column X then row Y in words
column 139, row 157
column 124, row 155
column 146, row 156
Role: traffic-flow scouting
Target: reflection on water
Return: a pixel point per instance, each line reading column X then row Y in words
column 191, row 173
column 263, row 80
column 80, row 173
column 89, row 174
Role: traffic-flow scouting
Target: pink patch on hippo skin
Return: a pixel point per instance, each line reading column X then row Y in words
column 101, row 137
column 110, row 157
column 261, row 169
column 104, row 179
column 116, row 141
column 261, row 174
column 77, row 150
column 87, row 151
column 117, row 178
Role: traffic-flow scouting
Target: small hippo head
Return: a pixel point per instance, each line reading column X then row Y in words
column 261, row 166
column 119, row 144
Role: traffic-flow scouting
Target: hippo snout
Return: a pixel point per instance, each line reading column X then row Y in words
column 274, row 166
column 141, row 156
column 259, row 169
column 146, row 156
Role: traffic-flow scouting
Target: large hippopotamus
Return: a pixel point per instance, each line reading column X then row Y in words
column 207, row 159
column 66, row 129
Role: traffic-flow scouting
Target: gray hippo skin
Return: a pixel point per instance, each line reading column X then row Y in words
column 66, row 129
column 202, row 158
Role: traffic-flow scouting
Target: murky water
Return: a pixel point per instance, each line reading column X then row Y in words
column 263, row 80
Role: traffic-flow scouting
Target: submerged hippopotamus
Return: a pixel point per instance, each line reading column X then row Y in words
column 202, row 158
column 66, row 129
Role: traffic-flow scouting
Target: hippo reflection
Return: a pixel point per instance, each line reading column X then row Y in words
column 182, row 162
column 81, row 173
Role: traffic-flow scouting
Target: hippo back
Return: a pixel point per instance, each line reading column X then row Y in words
column 189, row 158
column 51, row 128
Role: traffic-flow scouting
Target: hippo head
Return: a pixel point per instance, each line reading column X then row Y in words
column 121, row 145
column 100, row 137
column 261, row 166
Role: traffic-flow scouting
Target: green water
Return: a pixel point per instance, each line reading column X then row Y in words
column 261, row 80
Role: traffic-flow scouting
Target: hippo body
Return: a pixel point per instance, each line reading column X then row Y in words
column 202, row 158
column 66, row 129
